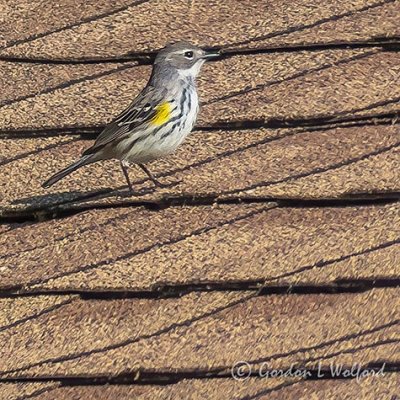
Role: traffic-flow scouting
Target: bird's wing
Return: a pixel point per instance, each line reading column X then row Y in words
column 135, row 118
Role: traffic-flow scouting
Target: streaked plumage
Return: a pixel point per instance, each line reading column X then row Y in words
column 159, row 118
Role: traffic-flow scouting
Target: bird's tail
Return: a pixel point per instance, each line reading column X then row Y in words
column 66, row 171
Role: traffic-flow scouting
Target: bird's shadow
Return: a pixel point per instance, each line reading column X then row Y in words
column 59, row 198
column 65, row 197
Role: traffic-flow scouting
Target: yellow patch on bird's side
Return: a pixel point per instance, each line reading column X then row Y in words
column 163, row 114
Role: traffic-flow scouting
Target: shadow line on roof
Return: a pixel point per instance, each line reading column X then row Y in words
column 301, row 27
column 318, row 170
column 216, row 370
column 292, row 29
column 73, row 25
column 114, row 346
column 37, row 315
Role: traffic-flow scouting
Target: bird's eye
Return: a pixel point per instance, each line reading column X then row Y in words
column 189, row 54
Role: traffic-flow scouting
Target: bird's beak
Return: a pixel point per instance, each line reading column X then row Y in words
column 211, row 55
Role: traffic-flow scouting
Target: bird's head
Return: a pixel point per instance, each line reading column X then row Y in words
column 186, row 58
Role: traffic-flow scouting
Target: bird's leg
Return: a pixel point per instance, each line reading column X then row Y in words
column 150, row 175
column 124, row 166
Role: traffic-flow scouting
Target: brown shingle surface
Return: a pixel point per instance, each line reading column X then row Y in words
column 18, row 391
column 224, row 389
column 379, row 21
column 209, row 245
column 366, row 389
column 34, row 78
column 354, row 87
column 277, row 240
column 289, row 163
column 13, row 150
column 26, row 20
column 16, row 311
column 92, row 325
column 4, row 227
column 209, row 333
column 326, row 84
column 356, row 177
column 81, row 242
column 214, row 24
column 385, row 387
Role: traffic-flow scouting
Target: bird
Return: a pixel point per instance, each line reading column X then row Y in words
column 157, row 121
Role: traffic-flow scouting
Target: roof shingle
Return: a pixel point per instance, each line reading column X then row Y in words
column 277, row 240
